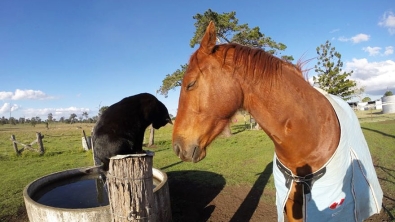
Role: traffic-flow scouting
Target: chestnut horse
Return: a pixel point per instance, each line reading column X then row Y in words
column 300, row 120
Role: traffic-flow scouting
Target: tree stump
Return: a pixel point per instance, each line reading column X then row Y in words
column 130, row 187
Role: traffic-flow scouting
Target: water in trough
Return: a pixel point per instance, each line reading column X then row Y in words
column 75, row 193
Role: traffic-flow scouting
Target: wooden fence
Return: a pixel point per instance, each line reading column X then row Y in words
column 38, row 140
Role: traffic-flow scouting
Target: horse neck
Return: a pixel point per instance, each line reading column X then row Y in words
column 299, row 120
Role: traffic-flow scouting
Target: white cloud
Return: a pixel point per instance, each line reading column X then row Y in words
column 33, row 112
column 24, row 94
column 14, row 107
column 7, row 107
column 355, row 39
column 388, row 21
column 372, row 50
column 375, row 76
column 334, row 30
column 389, row 50
column 6, row 95
column 57, row 113
column 360, row 38
column 343, row 39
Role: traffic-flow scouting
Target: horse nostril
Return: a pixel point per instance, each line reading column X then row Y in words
column 195, row 149
column 176, row 149
column 195, row 154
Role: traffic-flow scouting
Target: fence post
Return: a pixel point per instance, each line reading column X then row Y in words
column 151, row 136
column 96, row 160
column 40, row 142
column 87, row 143
column 130, row 187
column 15, row 145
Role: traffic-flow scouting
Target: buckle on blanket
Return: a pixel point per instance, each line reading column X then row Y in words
column 307, row 180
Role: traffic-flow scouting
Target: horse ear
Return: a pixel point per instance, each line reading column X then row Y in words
column 209, row 39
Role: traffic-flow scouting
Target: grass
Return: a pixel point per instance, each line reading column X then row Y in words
column 226, row 156
column 242, row 159
column 63, row 150
column 380, row 137
column 373, row 116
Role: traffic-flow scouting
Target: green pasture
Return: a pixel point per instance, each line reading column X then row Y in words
column 242, row 159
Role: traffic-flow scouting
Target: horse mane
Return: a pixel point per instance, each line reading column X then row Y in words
column 301, row 64
column 255, row 62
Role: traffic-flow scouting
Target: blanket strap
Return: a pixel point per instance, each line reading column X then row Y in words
column 307, row 180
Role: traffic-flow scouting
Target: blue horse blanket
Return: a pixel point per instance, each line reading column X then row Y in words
column 349, row 190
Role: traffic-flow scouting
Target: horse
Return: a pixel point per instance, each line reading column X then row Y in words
column 120, row 129
column 304, row 123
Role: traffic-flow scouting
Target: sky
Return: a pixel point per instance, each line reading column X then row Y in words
column 74, row 56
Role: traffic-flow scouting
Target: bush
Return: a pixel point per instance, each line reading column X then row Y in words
column 388, row 93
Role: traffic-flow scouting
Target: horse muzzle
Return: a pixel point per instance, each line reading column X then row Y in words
column 191, row 153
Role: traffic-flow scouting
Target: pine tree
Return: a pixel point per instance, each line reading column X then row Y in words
column 330, row 77
column 228, row 30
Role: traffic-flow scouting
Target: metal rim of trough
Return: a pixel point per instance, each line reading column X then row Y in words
column 102, row 212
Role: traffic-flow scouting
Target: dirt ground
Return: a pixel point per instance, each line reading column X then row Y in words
column 236, row 204
column 194, row 202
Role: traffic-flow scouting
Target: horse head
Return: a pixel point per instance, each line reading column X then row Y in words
column 208, row 99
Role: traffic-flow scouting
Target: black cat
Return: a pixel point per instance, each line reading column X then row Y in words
column 120, row 129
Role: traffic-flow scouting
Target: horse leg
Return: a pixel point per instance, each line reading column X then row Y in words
column 294, row 204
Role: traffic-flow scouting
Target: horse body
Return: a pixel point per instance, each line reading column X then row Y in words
column 283, row 103
column 221, row 79
column 287, row 116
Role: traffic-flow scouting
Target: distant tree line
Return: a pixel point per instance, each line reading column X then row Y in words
column 73, row 118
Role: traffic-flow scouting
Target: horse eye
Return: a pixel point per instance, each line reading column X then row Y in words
column 190, row 85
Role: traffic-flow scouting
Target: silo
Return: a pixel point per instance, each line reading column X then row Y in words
column 388, row 104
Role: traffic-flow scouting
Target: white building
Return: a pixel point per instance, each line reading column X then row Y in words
column 370, row 105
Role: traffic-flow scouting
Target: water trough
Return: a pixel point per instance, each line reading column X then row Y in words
column 73, row 195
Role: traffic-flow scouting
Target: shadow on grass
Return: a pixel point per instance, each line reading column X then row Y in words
column 376, row 131
column 171, row 165
column 159, row 143
column 389, row 172
column 190, row 193
column 389, row 177
column 250, row 203
column 238, row 129
column 375, row 113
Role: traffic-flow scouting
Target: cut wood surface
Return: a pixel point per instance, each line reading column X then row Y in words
column 130, row 188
